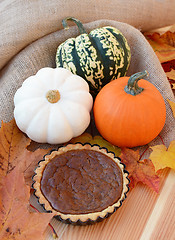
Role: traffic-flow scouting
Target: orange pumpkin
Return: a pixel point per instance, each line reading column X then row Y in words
column 129, row 112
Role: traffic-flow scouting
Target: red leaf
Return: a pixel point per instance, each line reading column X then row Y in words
column 167, row 66
column 140, row 170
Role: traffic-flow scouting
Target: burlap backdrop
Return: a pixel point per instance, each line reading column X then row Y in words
column 24, row 21
column 41, row 53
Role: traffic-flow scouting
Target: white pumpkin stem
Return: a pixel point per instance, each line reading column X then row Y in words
column 53, row 96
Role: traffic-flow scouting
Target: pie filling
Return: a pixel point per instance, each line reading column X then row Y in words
column 81, row 181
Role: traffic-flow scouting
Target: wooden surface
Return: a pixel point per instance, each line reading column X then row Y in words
column 144, row 215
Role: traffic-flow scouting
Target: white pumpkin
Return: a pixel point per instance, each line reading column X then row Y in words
column 53, row 106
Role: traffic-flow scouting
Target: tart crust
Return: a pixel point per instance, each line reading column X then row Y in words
column 84, row 218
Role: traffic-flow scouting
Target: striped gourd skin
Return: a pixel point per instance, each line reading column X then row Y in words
column 98, row 57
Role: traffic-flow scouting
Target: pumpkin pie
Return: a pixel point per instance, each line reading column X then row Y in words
column 80, row 183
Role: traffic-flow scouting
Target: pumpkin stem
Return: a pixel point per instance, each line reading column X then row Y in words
column 53, row 96
column 79, row 24
column 132, row 86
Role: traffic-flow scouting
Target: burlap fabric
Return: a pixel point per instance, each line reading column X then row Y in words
column 41, row 53
column 24, row 21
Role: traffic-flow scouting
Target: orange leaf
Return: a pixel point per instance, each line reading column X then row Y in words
column 16, row 222
column 139, row 170
column 13, row 151
column 12, row 141
column 169, row 38
column 28, row 162
column 163, row 45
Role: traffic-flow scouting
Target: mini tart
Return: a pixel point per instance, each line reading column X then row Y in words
column 81, row 184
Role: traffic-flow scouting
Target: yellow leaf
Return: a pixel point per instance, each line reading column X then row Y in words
column 172, row 105
column 87, row 138
column 163, row 157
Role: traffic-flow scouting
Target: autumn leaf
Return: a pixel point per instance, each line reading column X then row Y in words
column 87, row 138
column 12, row 141
column 171, row 78
column 169, row 38
column 139, row 170
column 29, row 161
column 163, row 45
column 84, row 138
column 172, row 105
column 163, row 157
column 168, row 66
column 13, row 151
column 16, row 222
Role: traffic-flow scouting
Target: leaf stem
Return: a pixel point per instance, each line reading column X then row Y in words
column 143, row 152
column 54, row 234
column 34, row 208
column 148, row 147
column 161, row 139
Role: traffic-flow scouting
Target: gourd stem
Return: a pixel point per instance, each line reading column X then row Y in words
column 79, row 24
column 132, row 86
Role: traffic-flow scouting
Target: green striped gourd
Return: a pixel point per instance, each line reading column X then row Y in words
column 98, row 57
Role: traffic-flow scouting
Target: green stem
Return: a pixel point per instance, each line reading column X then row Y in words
column 79, row 24
column 132, row 86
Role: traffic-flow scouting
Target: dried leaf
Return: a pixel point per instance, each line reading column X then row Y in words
column 16, row 222
column 169, row 38
column 12, row 141
column 168, row 66
column 84, row 138
column 172, row 105
column 171, row 78
column 162, row 45
column 13, row 152
column 140, row 170
column 28, row 162
column 87, row 138
column 163, row 157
